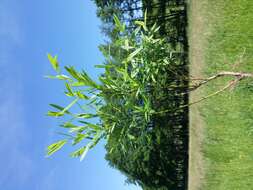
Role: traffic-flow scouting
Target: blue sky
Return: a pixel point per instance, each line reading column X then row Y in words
column 28, row 30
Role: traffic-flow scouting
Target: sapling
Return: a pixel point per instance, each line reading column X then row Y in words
column 142, row 72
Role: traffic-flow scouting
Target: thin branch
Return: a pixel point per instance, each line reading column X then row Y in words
column 230, row 84
column 221, row 74
column 238, row 76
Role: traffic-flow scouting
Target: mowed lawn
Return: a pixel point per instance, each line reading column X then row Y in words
column 224, row 40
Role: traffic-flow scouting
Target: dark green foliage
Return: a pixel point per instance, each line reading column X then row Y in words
column 150, row 148
column 129, row 158
column 126, row 11
column 146, row 158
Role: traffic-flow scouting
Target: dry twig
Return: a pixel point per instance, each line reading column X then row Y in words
column 237, row 75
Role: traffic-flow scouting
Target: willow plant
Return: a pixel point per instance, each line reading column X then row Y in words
column 136, row 80
column 121, row 98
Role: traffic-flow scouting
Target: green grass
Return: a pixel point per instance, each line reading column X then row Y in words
column 228, row 117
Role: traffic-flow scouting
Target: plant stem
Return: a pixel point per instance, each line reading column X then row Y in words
column 221, row 74
column 238, row 76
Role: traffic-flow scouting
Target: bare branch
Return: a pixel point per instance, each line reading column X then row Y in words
column 221, row 74
column 238, row 76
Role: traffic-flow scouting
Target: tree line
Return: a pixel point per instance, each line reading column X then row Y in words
column 148, row 163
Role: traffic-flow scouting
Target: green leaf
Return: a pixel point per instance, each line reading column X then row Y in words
column 51, row 149
column 78, row 129
column 77, row 84
column 81, row 95
column 82, row 78
column 131, row 55
column 118, row 24
column 73, row 73
column 154, row 29
column 146, row 116
column 145, row 20
column 58, row 107
column 78, row 152
column 93, row 126
column 59, row 77
column 88, row 81
column 111, row 129
column 69, row 106
column 68, row 87
column 86, row 148
column 68, row 125
column 116, row 20
column 54, row 62
column 96, row 139
column 54, row 114
column 79, row 137
column 126, row 46
column 131, row 137
column 83, row 151
column 87, row 115
column 100, row 66
column 140, row 23
column 153, row 78
column 137, row 30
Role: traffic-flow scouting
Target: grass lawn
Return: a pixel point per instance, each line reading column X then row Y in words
column 221, row 142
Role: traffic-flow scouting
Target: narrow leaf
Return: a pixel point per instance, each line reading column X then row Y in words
column 58, row 107
column 78, row 152
column 54, row 62
column 131, row 56
column 86, row 115
column 77, row 84
column 140, row 23
column 81, row 95
column 73, row 73
column 70, row 92
column 54, row 114
column 87, row 147
column 69, row 106
column 118, row 24
column 68, row 125
column 93, row 126
column 145, row 20
column 79, row 137
column 59, row 77
column 51, row 149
